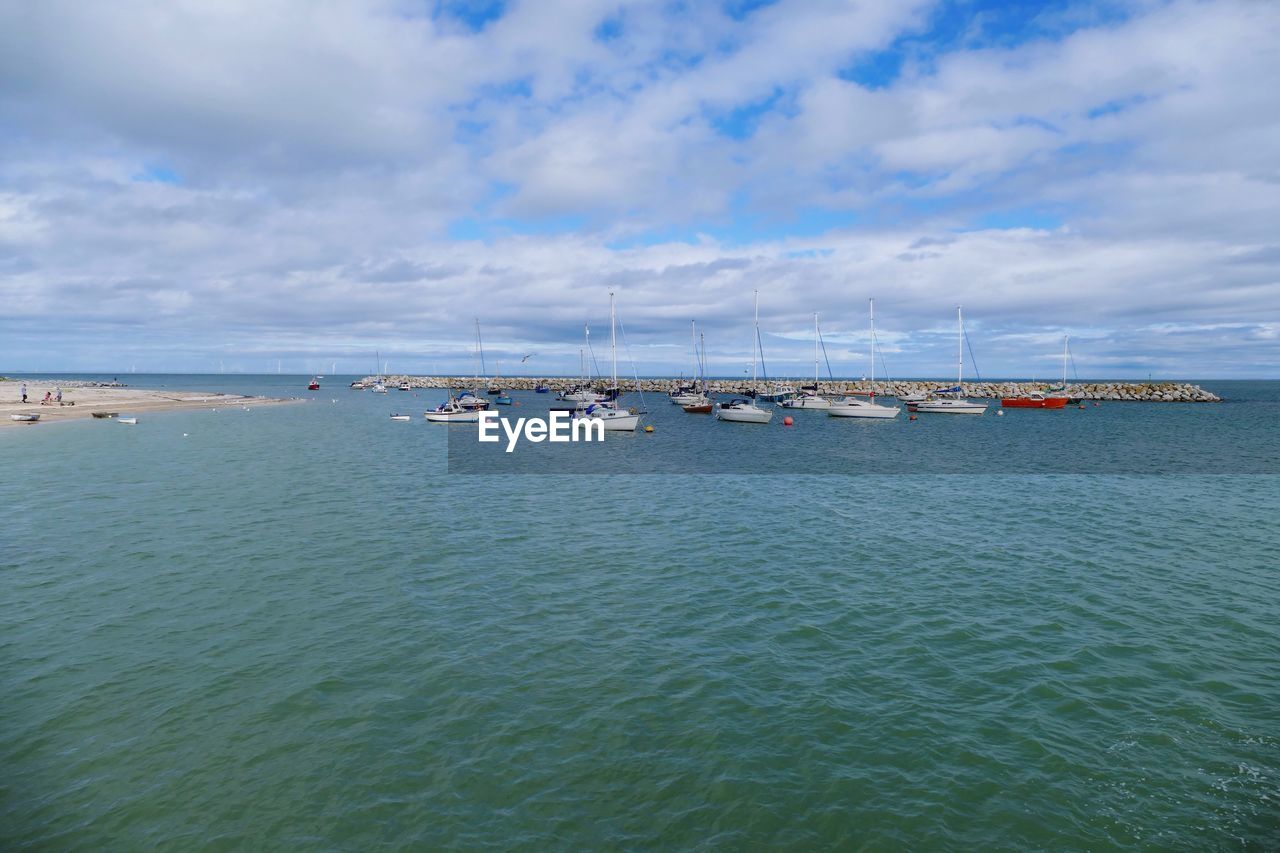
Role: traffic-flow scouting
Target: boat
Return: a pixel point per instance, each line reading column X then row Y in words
column 27, row 418
column 503, row 400
column 314, row 384
column 106, row 414
column 744, row 410
column 398, row 417
column 688, row 394
column 810, row 399
column 778, row 392
column 700, row 403
column 952, row 405
column 452, row 411
column 1063, row 390
column 404, row 386
column 1034, row 400
column 541, row 389
column 853, row 407
column 356, row 386
column 470, row 401
column 377, row 387
column 613, row 418
column 129, row 421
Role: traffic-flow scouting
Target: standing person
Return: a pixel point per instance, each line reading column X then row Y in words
column 57, row 397
column 24, row 392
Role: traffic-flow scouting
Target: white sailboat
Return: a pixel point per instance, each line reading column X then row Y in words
column 687, row 395
column 582, row 393
column 810, row 399
column 608, row 413
column 853, row 407
column 378, row 387
column 742, row 410
column 957, row 405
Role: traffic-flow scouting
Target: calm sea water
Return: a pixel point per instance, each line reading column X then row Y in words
column 293, row 627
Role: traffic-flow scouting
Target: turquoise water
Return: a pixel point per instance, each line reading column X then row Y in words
column 291, row 628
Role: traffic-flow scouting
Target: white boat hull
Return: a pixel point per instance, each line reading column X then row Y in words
column 26, row 419
column 751, row 415
column 862, row 409
column 686, row 399
column 452, row 417
column 951, row 407
column 806, row 403
column 615, row 421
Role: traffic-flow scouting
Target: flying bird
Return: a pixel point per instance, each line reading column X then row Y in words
column 527, row 357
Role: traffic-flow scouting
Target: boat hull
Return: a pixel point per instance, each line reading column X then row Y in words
column 616, row 421
column 469, row 417
column 949, row 407
column 863, row 410
column 745, row 416
column 1033, row 403
column 807, row 403
column 698, row 409
column 24, row 419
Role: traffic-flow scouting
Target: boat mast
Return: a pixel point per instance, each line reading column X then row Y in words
column 872, row 302
column 815, row 353
column 693, row 341
column 1065, row 338
column 960, row 352
column 756, row 341
column 613, row 340
column 480, row 351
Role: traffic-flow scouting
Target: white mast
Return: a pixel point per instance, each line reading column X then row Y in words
column 756, row 341
column 1065, row 338
column 960, row 352
column 693, row 341
column 872, row 303
column 613, row 340
column 815, row 353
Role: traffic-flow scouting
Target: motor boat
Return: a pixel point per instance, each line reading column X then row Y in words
column 742, row 410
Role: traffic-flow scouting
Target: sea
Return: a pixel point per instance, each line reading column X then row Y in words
column 312, row 627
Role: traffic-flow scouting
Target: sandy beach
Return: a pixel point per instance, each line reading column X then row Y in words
column 80, row 400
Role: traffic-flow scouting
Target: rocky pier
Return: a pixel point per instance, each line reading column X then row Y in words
column 1150, row 392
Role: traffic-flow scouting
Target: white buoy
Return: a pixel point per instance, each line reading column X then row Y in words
column 1000, row 412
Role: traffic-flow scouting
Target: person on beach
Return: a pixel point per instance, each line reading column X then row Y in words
column 48, row 398
column 57, row 398
column 24, row 392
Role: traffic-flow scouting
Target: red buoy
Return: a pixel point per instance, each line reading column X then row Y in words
column 912, row 418
column 787, row 421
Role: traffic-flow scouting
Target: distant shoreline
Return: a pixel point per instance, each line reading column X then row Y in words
column 80, row 399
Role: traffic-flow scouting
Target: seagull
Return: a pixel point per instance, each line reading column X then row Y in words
column 527, row 357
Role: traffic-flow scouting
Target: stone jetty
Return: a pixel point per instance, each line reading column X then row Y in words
column 1151, row 392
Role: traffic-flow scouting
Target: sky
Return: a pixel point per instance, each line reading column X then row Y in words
column 237, row 185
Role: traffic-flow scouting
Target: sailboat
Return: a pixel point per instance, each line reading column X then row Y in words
column 608, row 413
column 685, row 395
column 700, row 403
column 810, row 399
column 745, row 410
column 1063, row 390
column 582, row 393
column 956, row 405
column 852, row 407
column 378, row 387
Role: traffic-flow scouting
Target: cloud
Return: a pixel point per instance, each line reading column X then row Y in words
column 323, row 180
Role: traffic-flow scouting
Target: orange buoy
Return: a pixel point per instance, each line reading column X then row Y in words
column 787, row 421
column 912, row 418
column 1082, row 405
column 649, row 428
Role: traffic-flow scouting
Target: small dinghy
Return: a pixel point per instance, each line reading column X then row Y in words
column 503, row 400
column 25, row 419
column 106, row 414
column 128, row 420
column 400, row 417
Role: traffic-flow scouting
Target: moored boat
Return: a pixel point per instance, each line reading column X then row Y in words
column 105, row 415
column 1035, row 400
column 398, row 417
column 957, row 404
column 744, row 410
column 809, row 398
column 26, row 417
column 314, row 384
column 452, row 411
column 855, row 407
